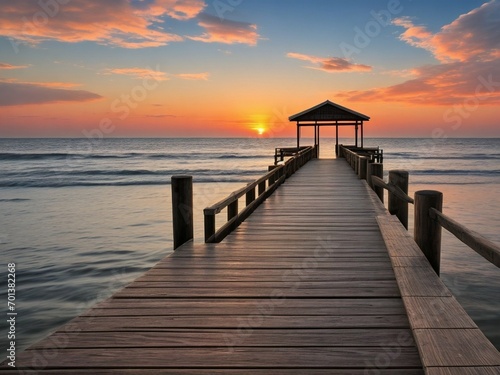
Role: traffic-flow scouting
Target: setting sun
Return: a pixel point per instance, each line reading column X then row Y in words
column 128, row 71
column 260, row 129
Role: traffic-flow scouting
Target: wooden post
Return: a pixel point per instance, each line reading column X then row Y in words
column 272, row 179
column 262, row 187
column 317, row 149
column 182, row 209
column 250, row 196
column 356, row 135
column 376, row 169
column 363, row 166
column 337, row 140
column 428, row 231
column 362, row 135
column 316, row 134
column 232, row 210
column 209, row 226
column 398, row 206
column 298, row 136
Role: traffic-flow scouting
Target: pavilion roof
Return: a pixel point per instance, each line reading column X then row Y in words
column 329, row 111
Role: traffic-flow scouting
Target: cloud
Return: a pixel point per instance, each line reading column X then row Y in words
column 468, row 51
column 160, row 116
column 330, row 64
column 23, row 93
column 194, row 76
column 121, row 23
column 146, row 73
column 139, row 73
column 472, row 36
column 226, row 31
column 9, row 66
column 444, row 84
column 178, row 9
column 59, row 85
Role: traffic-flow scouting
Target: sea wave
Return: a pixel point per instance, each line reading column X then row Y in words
column 55, row 173
column 457, row 172
column 70, row 183
column 412, row 155
column 17, row 156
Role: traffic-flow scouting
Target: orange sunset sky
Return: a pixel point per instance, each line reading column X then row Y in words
column 237, row 68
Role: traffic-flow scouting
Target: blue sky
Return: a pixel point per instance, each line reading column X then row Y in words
column 220, row 66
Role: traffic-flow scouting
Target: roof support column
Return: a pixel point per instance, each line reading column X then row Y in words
column 356, row 134
column 362, row 135
column 317, row 146
column 298, row 135
column 315, row 135
column 336, row 140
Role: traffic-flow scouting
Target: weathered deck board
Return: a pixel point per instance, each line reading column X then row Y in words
column 304, row 286
column 448, row 340
column 223, row 357
column 233, row 371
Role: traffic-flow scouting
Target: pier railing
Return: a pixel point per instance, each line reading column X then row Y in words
column 280, row 153
column 428, row 215
column 265, row 186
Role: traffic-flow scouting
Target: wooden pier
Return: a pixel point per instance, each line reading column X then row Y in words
column 320, row 279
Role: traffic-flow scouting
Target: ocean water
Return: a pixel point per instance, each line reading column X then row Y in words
column 81, row 218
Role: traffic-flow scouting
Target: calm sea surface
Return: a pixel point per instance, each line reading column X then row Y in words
column 82, row 218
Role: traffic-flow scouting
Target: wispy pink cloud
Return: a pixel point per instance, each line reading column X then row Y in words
column 468, row 51
column 194, row 76
column 178, row 9
column 330, row 64
column 139, row 73
column 23, row 93
column 444, row 84
column 10, row 66
column 121, row 23
column 226, row 31
column 472, row 36
column 160, row 116
column 142, row 73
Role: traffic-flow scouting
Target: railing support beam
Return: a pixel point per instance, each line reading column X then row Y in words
column 363, row 166
column 396, row 205
column 182, row 209
column 275, row 177
column 377, row 170
column 427, row 231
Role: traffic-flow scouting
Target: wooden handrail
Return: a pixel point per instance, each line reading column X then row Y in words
column 235, row 195
column 273, row 178
column 351, row 152
column 396, row 190
column 427, row 229
column 481, row 245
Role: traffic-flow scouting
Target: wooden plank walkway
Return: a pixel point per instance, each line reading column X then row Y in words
column 304, row 286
